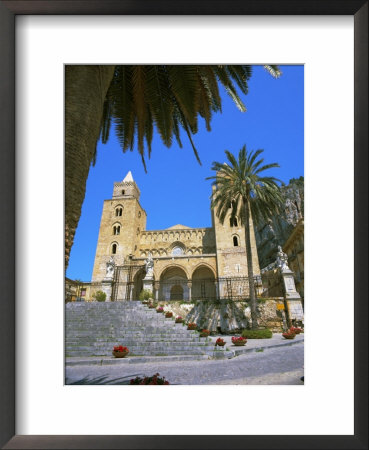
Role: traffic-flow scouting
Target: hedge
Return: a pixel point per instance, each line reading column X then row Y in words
column 257, row 334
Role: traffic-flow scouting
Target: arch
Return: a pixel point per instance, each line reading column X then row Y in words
column 236, row 240
column 169, row 271
column 113, row 248
column 116, row 228
column 203, row 283
column 205, row 266
column 118, row 210
column 233, row 222
column 174, row 283
column 138, row 283
column 177, row 248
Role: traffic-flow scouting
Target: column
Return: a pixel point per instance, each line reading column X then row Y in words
column 157, row 288
column 189, row 285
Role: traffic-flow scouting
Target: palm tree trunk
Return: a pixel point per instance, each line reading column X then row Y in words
column 250, row 270
column 85, row 91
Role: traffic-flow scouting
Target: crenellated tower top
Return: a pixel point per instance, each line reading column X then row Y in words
column 126, row 188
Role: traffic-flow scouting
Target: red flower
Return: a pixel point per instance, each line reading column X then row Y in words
column 238, row 339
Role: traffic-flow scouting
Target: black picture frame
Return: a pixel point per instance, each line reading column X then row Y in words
column 8, row 11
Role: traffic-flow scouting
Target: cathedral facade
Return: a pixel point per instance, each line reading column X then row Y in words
column 188, row 263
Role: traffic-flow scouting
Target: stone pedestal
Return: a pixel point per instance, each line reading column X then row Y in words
column 148, row 284
column 295, row 311
column 107, row 288
column 293, row 299
column 289, row 285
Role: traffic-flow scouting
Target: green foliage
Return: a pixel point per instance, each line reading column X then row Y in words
column 145, row 294
column 100, row 296
column 257, row 334
column 242, row 191
column 298, row 181
column 239, row 182
column 170, row 98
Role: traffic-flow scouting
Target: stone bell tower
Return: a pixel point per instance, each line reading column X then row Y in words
column 231, row 247
column 122, row 221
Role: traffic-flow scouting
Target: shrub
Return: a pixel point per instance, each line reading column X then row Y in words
column 145, row 294
column 257, row 334
column 100, row 296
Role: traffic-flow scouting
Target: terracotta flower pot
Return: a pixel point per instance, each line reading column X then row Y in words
column 220, row 344
column 239, row 343
column 120, row 354
column 289, row 336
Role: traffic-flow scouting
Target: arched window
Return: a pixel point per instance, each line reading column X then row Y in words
column 116, row 229
column 114, row 249
column 118, row 211
column 233, row 222
column 235, row 241
column 123, row 191
column 177, row 251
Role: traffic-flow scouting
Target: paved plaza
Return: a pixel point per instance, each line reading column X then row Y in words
column 265, row 362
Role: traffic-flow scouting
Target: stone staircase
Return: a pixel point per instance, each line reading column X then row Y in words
column 93, row 329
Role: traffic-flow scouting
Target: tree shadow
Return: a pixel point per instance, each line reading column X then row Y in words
column 102, row 380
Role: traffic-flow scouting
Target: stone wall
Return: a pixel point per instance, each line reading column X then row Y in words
column 131, row 222
column 191, row 241
column 227, row 317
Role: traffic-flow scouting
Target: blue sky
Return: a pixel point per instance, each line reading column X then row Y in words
column 175, row 190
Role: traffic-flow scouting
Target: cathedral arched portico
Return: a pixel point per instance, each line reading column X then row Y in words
column 174, row 284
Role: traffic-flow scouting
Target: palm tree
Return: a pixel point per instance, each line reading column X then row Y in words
column 239, row 187
column 135, row 99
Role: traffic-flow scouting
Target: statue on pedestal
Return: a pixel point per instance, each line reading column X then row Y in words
column 149, row 266
column 110, row 266
column 282, row 260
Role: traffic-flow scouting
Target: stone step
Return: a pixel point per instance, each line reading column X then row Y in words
column 93, row 329
column 139, row 352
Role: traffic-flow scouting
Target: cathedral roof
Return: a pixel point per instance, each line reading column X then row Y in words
column 128, row 177
column 178, row 227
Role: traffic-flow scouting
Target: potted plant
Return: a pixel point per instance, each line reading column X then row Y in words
column 204, row 333
column 295, row 330
column 191, row 326
column 168, row 314
column 239, row 341
column 154, row 380
column 179, row 319
column 145, row 296
column 220, row 342
column 289, row 335
column 159, row 309
column 151, row 305
column 120, row 352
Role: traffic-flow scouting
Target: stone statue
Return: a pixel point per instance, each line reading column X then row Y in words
column 282, row 260
column 149, row 266
column 110, row 265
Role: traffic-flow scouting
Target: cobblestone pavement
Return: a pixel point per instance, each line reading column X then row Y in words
column 278, row 365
